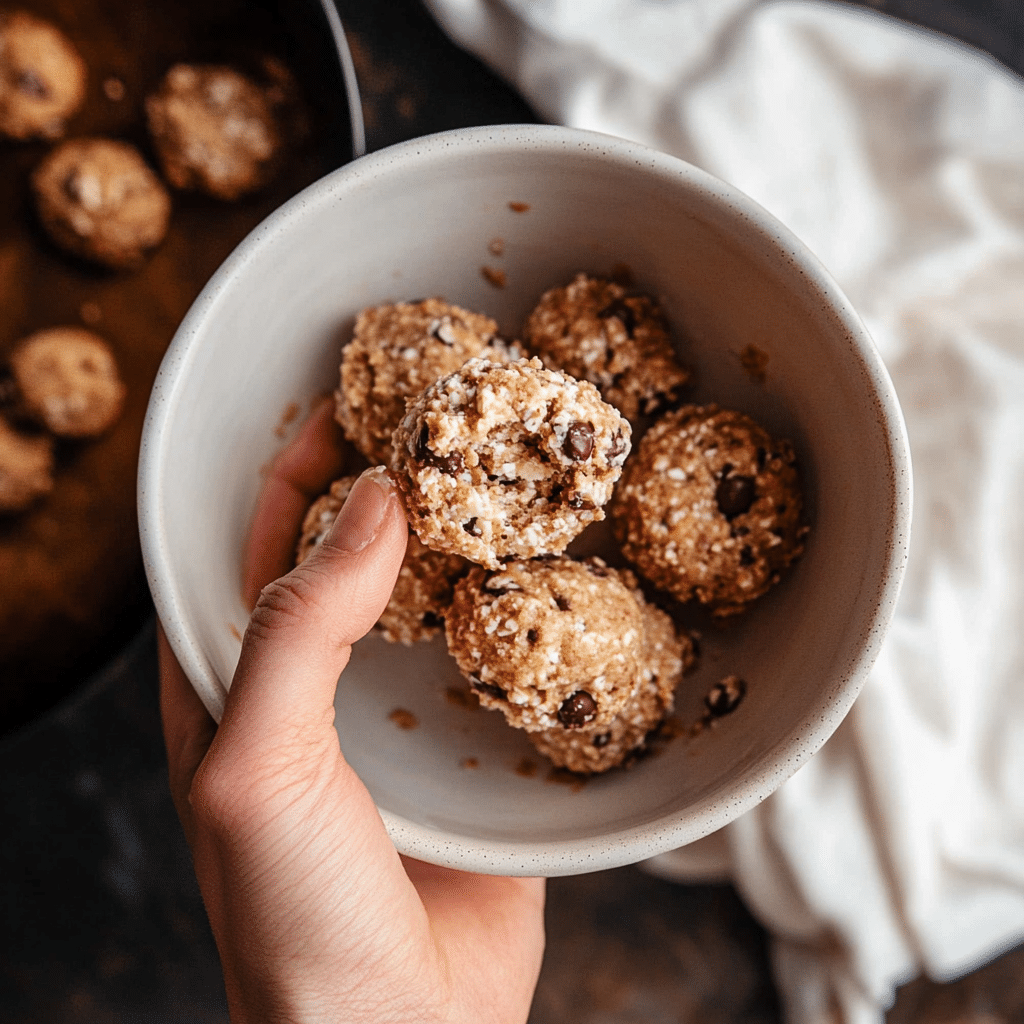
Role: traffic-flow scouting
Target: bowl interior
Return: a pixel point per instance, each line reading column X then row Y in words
column 420, row 219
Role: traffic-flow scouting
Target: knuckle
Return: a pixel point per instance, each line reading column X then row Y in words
column 247, row 794
column 284, row 603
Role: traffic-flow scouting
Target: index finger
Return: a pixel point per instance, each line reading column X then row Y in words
column 300, row 474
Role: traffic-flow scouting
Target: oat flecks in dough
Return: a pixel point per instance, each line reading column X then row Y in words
column 68, row 380
column 42, row 77
column 215, row 130
column 396, row 351
column 597, row 330
column 98, row 199
column 423, row 590
column 570, row 652
column 26, row 467
column 709, row 507
column 504, row 461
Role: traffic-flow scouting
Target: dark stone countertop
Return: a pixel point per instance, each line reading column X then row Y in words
column 102, row 920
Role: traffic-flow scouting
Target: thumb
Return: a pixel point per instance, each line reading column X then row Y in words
column 301, row 632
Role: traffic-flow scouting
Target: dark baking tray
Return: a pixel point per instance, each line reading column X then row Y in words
column 72, row 588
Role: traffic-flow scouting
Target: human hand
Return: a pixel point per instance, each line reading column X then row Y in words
column 315, row 915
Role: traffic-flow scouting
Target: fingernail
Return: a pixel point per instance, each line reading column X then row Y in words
column 363, row 512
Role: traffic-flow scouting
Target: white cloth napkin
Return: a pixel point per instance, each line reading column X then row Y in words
column 898, row 156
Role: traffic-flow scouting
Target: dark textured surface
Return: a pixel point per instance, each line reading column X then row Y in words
column 102, row 919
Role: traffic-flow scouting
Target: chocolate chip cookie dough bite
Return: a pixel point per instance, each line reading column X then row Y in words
column 570, row 652
column 548, row 642
column 498, row 462
column 98, row 199
column 26, row 468
column 397, row 349
column 710, row 508
column 215, row 130
column 424, row 588
column 42, row 77
column 665, row 656
column 597, row 330
column 68, row 381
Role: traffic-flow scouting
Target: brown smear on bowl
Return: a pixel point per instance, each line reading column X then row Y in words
column 461, row 698
column 516, row 207
column 564, row 777
column 404, row 719
column 494, row 277
column 755, row 361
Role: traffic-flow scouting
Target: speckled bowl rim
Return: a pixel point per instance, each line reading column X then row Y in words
column 675, row 829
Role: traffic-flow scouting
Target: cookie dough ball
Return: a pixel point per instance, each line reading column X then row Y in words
column 395, row 352
column 665, row 656
column 42, row 77
column 26, row 468
column 709, row 508
column 215, row 130
column 596, row 330
column 499, row 462
column 551, row 643
column 98, row 199
column 68, row 380
column 423, row 590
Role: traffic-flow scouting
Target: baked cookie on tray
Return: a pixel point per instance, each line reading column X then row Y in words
column 42, row 77
column 98, row 199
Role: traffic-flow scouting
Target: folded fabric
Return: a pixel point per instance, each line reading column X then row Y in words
column 898, row 156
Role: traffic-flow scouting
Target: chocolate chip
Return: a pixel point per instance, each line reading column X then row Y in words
column 451, row 464
column 479, row 686
column 762, row 457
column 621, row 311
column 423, row 452
column 724, row 697
column 577, row 502
column 618, row 445
column 663, row 401
column 734, row 495
column 577, row 710
column 579, row 441
column 72, row 187
column 431, row 621
column 746, row 555
column 596, row 569
column 563, row 603
column 9, row 391
column 601, row 740
column 471, row 527
column 31, row 84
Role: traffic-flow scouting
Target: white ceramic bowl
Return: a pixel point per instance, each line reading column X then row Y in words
column 418, row 219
